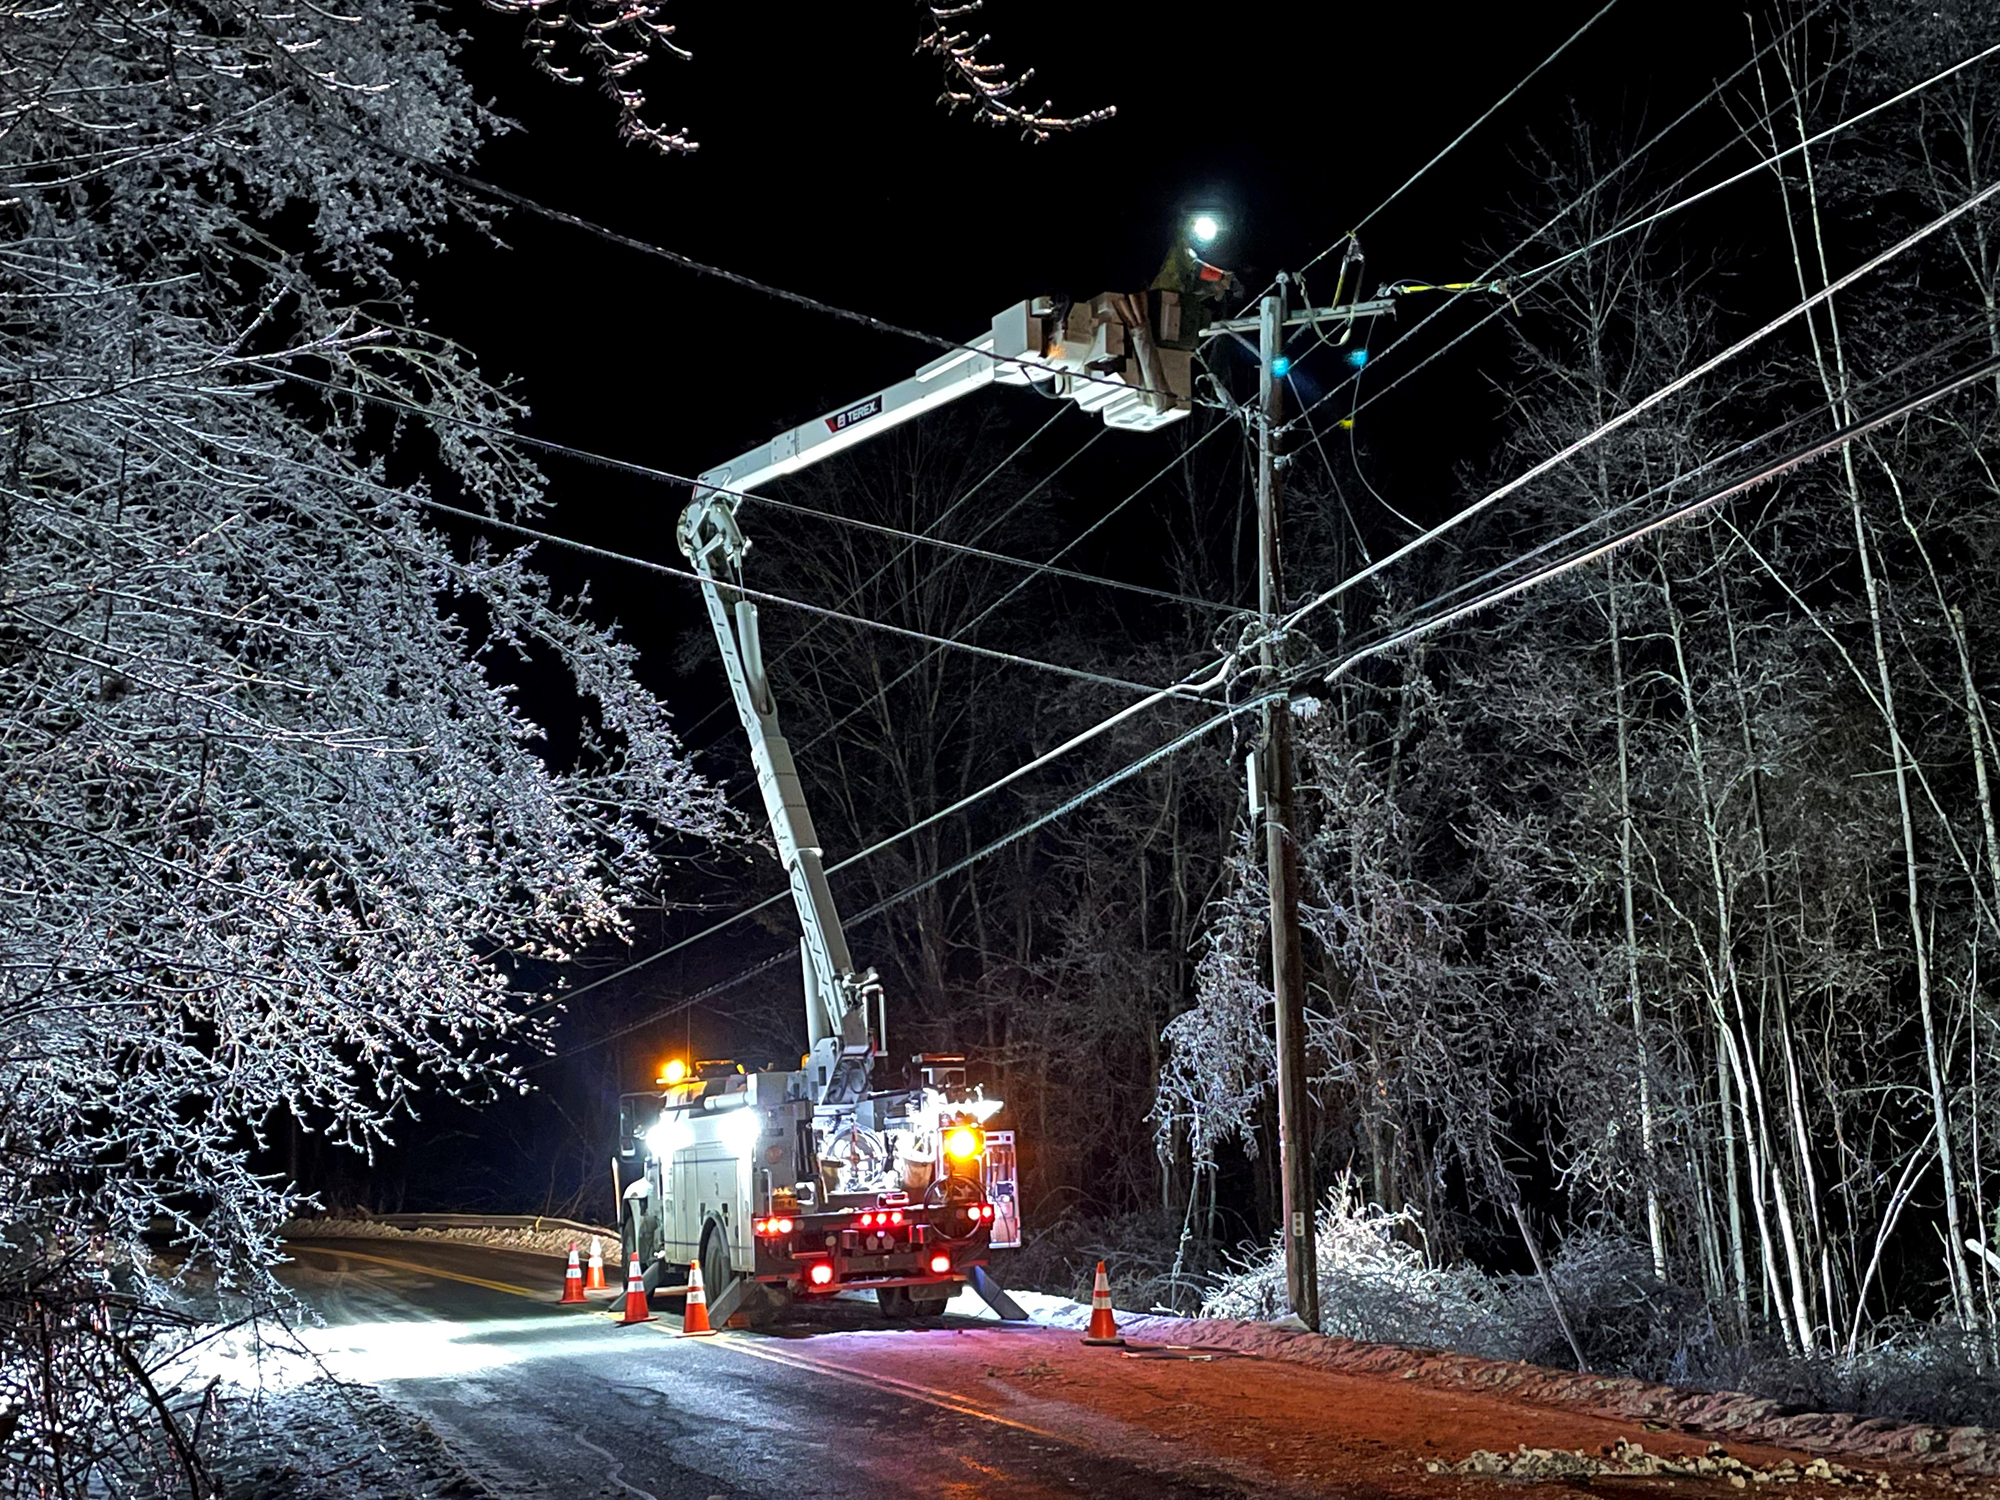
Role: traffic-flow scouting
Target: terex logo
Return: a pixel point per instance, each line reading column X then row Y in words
column 841, row 421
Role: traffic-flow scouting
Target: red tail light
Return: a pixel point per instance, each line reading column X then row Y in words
column 940, row 1263
column 896, row 1216
column 821, row 1274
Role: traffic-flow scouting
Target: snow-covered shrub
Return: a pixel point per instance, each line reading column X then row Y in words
column 1375, row 1282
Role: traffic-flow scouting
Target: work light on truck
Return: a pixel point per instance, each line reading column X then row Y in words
column 965, row 1143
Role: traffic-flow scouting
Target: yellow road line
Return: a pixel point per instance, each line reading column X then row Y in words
column 404, row 1265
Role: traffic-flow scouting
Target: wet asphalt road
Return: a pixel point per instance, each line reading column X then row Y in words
column 551, row 1400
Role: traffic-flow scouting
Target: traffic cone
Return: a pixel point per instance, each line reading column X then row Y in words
column 637, row 1308
column 695, row 1322
column 594, row 1282
column 1103, row 1327
column 573, row 1278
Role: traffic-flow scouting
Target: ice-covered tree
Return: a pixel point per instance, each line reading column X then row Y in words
column 276, row 840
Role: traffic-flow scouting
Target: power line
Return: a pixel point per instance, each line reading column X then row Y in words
column 967, row 550
column 647, row 564
column 1644, row 405
column 1631, row 225
column 1122, row 774
column 984, row 614
column 685, row 262
column 1756, row 167
column 1459, row 139
column 1977, row 331
column 1453, row 145
column 956, row 505
column 1387, row 640
column 1190, row 687
column 1776, row 467
column 1596, row 185
column 554, row 539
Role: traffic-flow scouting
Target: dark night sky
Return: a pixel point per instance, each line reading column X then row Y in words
column 827, row 167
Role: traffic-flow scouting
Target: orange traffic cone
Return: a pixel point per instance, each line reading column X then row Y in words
column 1103, row 1327
column 594, row 1282
column 573, row 1279
column 695, row 1322
column 637, row 1308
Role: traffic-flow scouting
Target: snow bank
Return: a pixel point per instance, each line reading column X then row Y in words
column 529, row 1240
column 1964, row 1450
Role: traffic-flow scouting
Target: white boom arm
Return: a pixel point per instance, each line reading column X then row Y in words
column 1100, row 354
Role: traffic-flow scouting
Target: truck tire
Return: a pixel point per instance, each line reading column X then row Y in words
column 894, row 1301
column 928, row 1302
column 716, row 1277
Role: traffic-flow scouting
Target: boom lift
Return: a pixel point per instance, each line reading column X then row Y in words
column 802, row 1184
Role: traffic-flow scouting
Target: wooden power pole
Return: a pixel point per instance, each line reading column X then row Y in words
column 1280, row 847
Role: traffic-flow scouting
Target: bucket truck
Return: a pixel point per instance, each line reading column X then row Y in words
column 804, row 1183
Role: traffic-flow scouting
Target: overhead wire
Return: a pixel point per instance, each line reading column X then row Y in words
column 1521, row 281
column 958, row 503
column 1764, row 164
column 990, row 609
column 1459, row 139
column 1041, row 820
column 1848, row 433
column 1456, row 141
column 966, row 550
column 1639, row 408
column 1976, row 331
column 941, row 642
column 1596, row 185
column 646, row 471
column 1188, row 689
column 1386, row 639
column 685, row 262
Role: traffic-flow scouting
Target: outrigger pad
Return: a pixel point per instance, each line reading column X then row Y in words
column 729, row 1301
column 995, row 1295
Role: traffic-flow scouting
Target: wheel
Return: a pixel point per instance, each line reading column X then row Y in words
column 927, row 1306
column 716, row 1277
column 893, row 1300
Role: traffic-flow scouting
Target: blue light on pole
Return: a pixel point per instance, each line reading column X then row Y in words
column 1281, row 366
column 1357, row 357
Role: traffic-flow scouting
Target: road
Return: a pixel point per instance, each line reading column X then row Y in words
column 842, row 1405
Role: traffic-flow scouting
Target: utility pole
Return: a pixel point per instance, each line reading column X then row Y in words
column 1281, row 849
